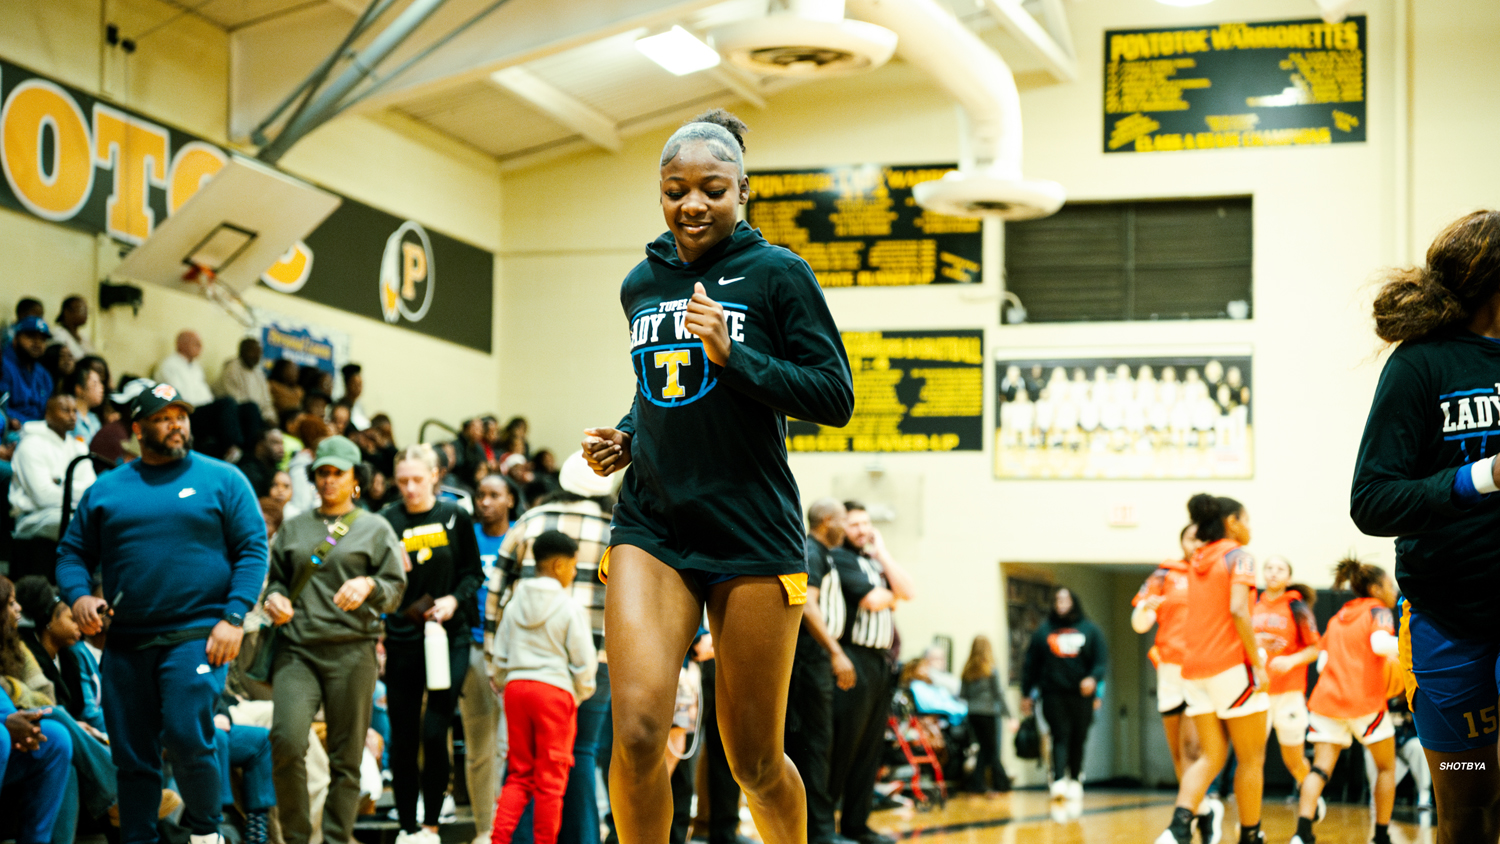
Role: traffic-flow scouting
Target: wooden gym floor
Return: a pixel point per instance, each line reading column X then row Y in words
column 1106, row 817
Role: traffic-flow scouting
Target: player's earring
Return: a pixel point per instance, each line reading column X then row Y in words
column 356, row 492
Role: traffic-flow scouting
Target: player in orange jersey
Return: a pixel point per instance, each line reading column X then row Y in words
column 1162, row 601
column 1224, row 677
column 1288, row 637
column 1349, row 700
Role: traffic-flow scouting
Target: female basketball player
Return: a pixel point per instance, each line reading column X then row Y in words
column 1163, row 601
column 1425, row 474
column 1288, row 637
column 729, row 336
column 1224, row 677
column 1349, row 700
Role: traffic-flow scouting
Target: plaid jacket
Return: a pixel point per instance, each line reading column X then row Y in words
column 586, row 523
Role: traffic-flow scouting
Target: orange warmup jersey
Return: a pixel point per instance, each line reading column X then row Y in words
column 1283, row 627
column 1216, row 645
column 1353, row 683
column 1170, row 582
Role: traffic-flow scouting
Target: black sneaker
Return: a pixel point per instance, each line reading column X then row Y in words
column 1211, row 823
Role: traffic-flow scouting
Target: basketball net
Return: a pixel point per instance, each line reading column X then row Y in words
column 219, row 293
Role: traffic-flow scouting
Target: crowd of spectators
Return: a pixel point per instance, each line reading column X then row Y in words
column 66, row 420
column 334, row 695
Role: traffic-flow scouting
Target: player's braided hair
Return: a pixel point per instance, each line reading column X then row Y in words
column 1461, row 275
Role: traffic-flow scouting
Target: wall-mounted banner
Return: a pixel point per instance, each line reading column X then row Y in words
column 858, row 226
column 1146, row 417
column 74, row 159
column 913, row 391
column 302, row 342
column 1235, row 85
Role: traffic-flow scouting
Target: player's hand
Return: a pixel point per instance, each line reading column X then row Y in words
column 606, row 450
column 1153, row 602
column 224, row 643
column 843, row 671
column 279, row 608
column 442, row 609
column 1280, row 665
column 705, row 319
column 353, row 593
column 25, row 735
column 86, row 611
column 1261, row 680
column 222, row 722
column 1088, row 686
column 1026, row 707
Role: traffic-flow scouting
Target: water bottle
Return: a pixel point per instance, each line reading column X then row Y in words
column 435, row 648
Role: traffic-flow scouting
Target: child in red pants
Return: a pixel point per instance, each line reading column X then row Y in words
column 543, row 653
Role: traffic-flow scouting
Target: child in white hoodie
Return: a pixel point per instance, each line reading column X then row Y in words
column 543, row 655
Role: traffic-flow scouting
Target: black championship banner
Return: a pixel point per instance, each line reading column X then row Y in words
column 913, row 391
column 858, row 226
column 1234, row 85
column 74, row 159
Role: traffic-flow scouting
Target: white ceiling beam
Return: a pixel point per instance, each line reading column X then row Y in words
column 560, row 106
column 737, row 81
column 1019, row 23
column 1055, row 19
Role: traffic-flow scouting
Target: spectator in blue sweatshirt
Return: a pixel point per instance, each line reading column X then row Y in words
column 181, row 545
column 21, row 371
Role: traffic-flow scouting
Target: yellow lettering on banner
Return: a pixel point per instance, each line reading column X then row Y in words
column 413, row 268
column 55, row 189
column 290, row 273
column 137, row 151
column 193, row 165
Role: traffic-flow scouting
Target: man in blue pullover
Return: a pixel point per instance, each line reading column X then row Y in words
column 181, row 545
column 21, row 371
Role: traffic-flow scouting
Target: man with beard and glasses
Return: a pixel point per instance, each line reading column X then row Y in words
column 181, row 545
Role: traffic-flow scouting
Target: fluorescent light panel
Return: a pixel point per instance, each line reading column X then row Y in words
column 679, row 51
column 1184, row 2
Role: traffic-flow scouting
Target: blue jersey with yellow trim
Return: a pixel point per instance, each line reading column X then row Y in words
column 709, row 486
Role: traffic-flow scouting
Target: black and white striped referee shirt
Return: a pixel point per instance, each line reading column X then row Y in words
column 860, row 576
column 823, row 575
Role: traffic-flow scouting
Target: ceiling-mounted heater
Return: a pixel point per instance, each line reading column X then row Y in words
column 992, row 186
column 812, row 38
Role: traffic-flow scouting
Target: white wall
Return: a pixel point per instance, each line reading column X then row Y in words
column 179, row 75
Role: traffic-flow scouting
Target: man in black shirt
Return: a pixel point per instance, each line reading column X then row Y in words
column 819, row 662
column 261, row 463
column 860, row 712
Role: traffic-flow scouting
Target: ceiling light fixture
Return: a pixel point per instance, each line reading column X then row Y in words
column 1184, row 2
column 679, row 51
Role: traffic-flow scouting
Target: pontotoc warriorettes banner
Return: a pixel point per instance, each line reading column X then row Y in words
column 913, row 391
column 1235, row 85
column 78, row 160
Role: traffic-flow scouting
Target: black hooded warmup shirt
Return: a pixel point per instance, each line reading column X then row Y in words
column 709, row 487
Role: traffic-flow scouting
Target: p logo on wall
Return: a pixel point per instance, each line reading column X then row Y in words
column 73, row 159
column 407, row 274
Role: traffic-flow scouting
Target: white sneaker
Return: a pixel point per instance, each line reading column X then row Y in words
column 1210, row 822
column 1059, row 789
column 1075, row 790
column 405, row 837
column 449, row 812
column 1322, row 810
column 425, row 836
column 1296, row 839
column 211, row 838
column 1167, row 837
